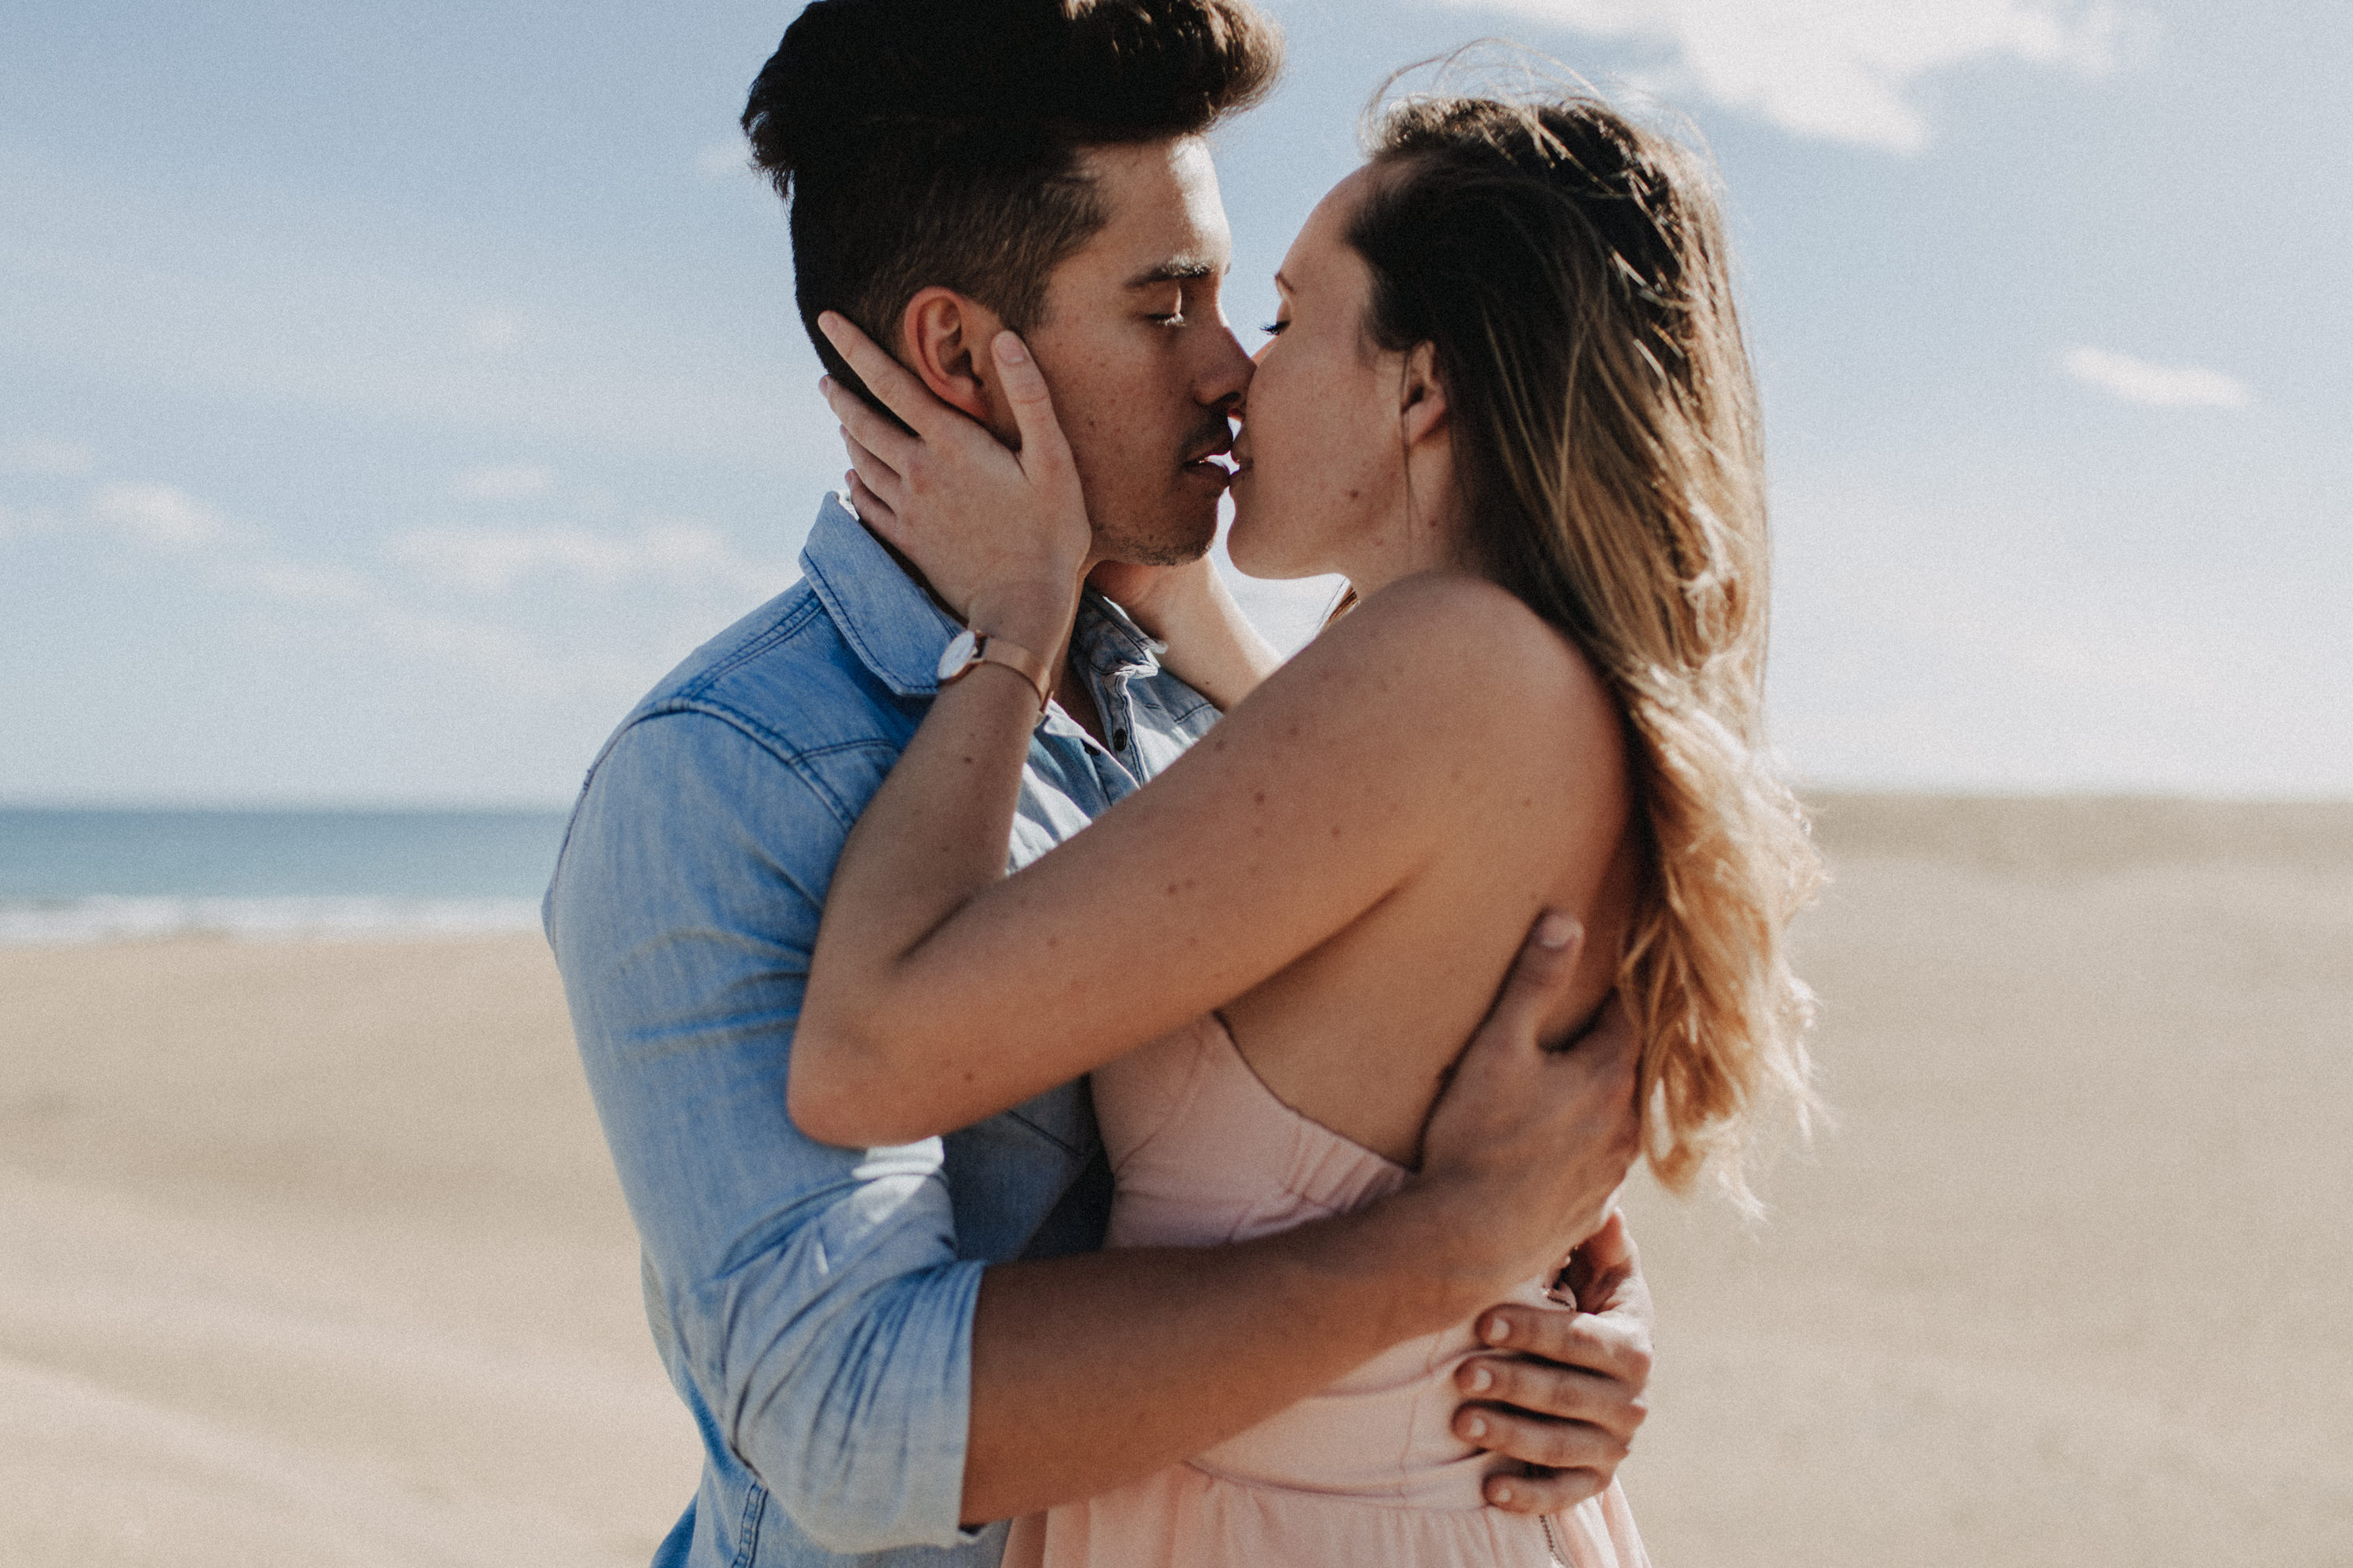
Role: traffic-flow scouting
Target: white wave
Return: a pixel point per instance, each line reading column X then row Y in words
column 42, row 922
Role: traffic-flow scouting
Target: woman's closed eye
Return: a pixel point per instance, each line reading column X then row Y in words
column 1274, row 329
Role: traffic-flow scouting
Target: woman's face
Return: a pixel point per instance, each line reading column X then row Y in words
column 1320, row 485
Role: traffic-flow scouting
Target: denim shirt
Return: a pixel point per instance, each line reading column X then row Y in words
column 814, row 1305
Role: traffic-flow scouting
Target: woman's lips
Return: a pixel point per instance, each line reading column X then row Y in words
column 1213, row 463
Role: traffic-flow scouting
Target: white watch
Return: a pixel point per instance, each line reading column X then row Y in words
column 969, row 649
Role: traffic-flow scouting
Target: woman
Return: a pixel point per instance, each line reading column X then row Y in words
column 1507, row 398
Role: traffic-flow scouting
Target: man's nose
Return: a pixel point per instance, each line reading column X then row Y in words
column 1229, row 373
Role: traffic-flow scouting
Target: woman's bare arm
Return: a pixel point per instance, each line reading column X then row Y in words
column 1311, row 803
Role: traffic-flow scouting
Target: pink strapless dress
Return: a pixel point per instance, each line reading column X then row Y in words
column 1365, row 1474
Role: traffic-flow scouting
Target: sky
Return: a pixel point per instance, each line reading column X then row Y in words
column 390, row 394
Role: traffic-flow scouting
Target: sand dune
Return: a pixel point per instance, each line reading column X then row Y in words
column 309, row 1253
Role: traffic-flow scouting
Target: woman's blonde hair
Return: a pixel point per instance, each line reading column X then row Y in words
column 1569, row 269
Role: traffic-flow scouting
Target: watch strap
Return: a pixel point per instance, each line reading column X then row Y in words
column 1029, row 665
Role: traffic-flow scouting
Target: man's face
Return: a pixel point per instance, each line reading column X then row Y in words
column 1135, row 346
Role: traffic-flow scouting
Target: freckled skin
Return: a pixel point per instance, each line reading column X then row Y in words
column 1138, row 396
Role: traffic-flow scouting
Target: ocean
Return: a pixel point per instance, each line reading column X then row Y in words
column 77, row 876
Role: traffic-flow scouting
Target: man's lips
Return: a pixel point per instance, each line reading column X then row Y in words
column 1213, row 459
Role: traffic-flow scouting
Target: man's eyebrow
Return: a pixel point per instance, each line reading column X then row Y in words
column 1178, row 269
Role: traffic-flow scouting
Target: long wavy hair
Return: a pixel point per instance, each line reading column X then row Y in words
column 1569, row 269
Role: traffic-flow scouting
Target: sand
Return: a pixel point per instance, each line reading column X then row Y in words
column 308, row 1252
column 2069, row 1284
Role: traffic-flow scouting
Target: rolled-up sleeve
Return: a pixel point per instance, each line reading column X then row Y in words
column 812, row 1296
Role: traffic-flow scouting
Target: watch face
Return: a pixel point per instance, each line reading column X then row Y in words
column 961, row 650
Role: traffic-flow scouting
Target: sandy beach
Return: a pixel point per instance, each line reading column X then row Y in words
column 309, row 1252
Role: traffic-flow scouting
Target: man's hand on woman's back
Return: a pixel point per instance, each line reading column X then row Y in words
column 1525, row 1154
column 1527, row 1145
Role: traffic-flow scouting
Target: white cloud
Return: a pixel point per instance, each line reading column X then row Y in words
column 505, row 481
column 491, row 561
column 2156, row 386
column 724, row 159
column 158, row 514
column 48, row 458
column 509, row 659
column 1842, row 69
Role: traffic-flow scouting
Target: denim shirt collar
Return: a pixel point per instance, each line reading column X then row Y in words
column 897, row 631
column 884, row 614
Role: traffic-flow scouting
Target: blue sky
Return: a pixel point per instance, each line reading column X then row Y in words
column 389, row 395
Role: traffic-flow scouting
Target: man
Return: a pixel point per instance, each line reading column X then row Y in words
column 887, row 1350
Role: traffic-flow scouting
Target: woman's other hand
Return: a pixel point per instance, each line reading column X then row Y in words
column 1002, row 536
column 1211, row 644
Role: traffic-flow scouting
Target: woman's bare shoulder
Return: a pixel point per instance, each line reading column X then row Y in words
column 1460, row 653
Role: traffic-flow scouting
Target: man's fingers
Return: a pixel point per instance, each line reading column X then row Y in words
column 884, row 440
column 1547, row 1444
column 1612, row 1032
column 1043, row 448
column 885, row 377
column 1562, row 1394
column 1607, row 1346
column 1544, row 1492
column 1547, row 959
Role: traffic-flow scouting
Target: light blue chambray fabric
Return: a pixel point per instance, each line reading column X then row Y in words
column 814, row 1305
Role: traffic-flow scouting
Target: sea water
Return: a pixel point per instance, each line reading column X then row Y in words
column 69, row 875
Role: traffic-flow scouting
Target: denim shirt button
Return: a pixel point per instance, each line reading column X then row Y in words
column 1119, row 740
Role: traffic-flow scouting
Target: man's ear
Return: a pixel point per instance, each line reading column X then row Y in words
column 1421, row 395
column 945, row 338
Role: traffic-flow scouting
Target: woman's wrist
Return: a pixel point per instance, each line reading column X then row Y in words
column 1033, row 615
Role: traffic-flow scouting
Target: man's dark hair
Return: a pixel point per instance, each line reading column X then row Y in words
column 927, row 142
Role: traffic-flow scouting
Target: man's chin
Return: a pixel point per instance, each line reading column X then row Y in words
column 1172, row 547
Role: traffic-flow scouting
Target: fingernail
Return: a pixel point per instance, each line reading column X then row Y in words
column 1011, row 350
column 1555, row 930
column 1481, row 1381
column 1503, row 1494
column 1475, row 1427
column 825, row 384
column 1499, row 1329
